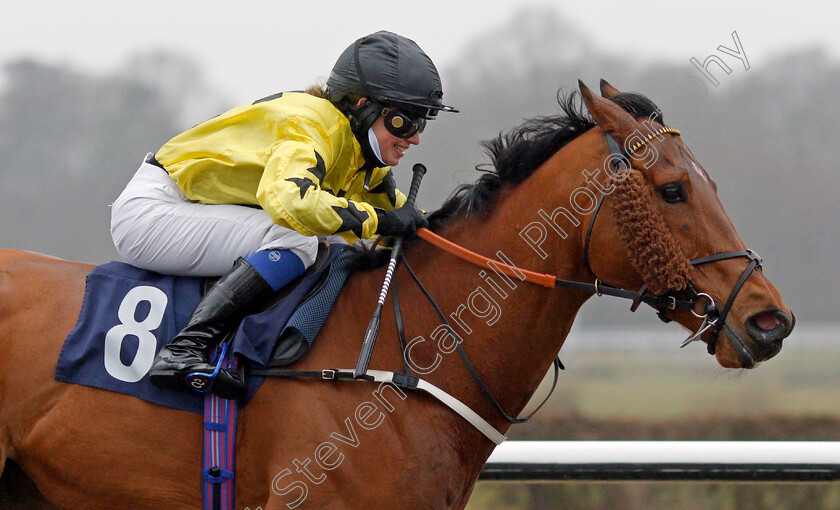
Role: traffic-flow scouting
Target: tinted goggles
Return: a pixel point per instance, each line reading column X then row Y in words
column 401, row 124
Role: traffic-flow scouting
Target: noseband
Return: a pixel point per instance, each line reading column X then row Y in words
column 714, row 319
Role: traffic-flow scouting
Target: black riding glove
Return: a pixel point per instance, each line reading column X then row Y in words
column 400, row 222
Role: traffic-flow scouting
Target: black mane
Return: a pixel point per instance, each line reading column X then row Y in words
column 516, row 154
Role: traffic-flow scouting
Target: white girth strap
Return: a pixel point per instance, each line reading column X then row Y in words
column 451, row 402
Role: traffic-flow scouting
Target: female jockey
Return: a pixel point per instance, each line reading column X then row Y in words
column 255, row 186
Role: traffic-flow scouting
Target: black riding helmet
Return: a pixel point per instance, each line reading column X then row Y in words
column 392, row 72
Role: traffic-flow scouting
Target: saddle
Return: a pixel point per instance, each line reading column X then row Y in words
column 128, row 314
column 292, row 343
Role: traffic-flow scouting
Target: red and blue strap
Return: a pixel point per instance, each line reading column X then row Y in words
column 219, row 445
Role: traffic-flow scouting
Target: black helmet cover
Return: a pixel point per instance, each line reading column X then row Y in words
column 391, row 70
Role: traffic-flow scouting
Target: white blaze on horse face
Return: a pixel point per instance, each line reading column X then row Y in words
column 699, row 170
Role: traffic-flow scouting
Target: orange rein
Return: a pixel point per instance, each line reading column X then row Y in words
column 546, row 280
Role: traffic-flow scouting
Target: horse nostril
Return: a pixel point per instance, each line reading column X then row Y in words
column 770, row 326
column 766, row 320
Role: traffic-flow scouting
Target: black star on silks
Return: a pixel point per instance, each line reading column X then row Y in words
column 320, row 169
column 389, row 187
column 302, row 183
column 351, row 218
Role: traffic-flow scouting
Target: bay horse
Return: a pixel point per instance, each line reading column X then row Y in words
column 362, row 445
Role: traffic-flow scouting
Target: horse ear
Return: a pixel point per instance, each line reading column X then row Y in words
column 607, row 114
column 607, row 90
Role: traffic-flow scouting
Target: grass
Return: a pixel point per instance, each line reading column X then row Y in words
column 681, row 395
column 645, row 386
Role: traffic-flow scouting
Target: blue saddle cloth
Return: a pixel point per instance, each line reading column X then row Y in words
column 128, row 314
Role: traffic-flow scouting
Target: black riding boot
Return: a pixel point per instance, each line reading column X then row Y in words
column 237, row 294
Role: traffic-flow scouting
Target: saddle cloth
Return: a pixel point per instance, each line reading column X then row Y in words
column 128, row 314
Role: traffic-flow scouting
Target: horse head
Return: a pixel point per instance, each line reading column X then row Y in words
column 662, row 206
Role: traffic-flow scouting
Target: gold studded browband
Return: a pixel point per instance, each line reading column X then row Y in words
column 630, row 151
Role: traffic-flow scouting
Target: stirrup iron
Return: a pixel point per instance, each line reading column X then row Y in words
column 202, row 382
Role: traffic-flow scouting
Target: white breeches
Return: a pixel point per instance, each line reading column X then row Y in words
column 155, row 227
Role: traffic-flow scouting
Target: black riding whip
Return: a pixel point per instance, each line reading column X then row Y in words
column 373, row 327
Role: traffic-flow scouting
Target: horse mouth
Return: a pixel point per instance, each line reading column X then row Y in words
column 737, row 347
column 745, row 355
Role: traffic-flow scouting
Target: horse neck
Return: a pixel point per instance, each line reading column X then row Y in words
column 514, row 332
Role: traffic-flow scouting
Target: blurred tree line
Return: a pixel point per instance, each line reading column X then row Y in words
column 70, row 140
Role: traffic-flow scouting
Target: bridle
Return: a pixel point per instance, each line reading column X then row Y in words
column 714, row 319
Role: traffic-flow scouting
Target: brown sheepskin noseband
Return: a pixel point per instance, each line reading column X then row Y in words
column 653, row 249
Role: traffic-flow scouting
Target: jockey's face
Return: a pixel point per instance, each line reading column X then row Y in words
column 392, row 148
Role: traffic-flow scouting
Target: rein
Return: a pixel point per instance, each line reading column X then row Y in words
column 713, row 317
column 546, row 280
column 557, row 364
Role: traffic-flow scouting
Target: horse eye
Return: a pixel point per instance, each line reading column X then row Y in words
column 672, row 193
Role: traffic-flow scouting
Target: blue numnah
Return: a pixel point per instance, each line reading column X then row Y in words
column 83, row 356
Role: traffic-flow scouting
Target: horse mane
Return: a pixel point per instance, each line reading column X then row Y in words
column 516, row 154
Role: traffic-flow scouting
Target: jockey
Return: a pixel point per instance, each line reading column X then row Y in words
column 255, row 186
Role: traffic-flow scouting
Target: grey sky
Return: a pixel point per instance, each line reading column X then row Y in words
column 251, row 48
